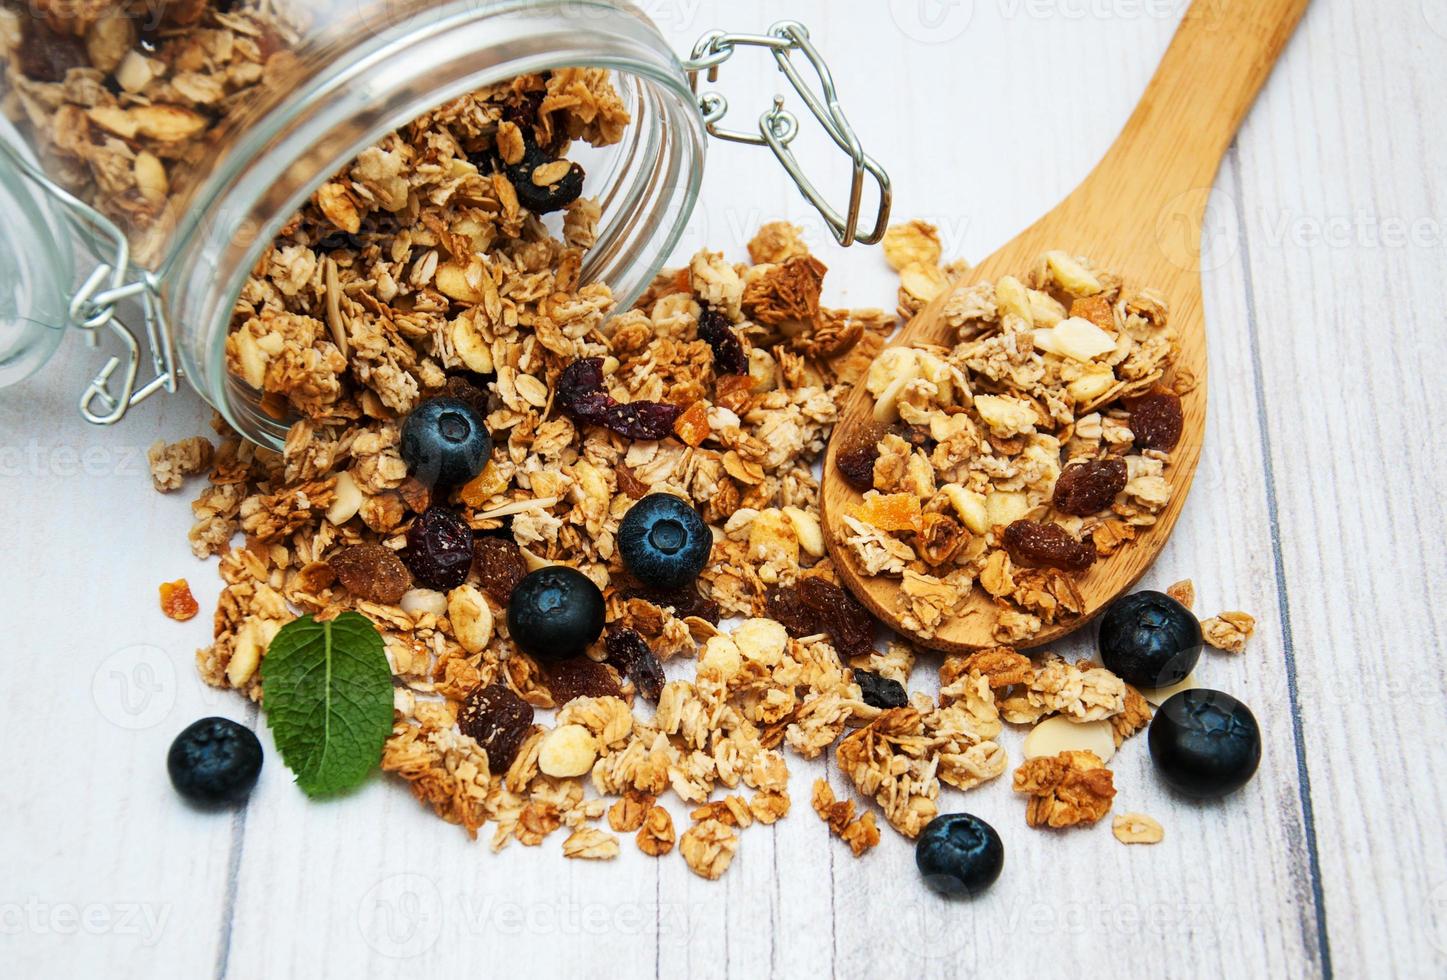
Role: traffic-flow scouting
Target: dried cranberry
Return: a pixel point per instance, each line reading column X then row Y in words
column 498, row 720
column 1049, row 545
column 728, row 350
column 843, row 617
column 500, row 566
column 372, row 572
column 580, row 677
column 631, row 655
column 439, row 549
column 1156, row 420
column 643, row 421
column 579, row 380
column 1089, row 487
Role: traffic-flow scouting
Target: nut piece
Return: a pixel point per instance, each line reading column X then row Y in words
column 591, row 844
column 471, row 618
column 419, row 602
column 567, row 751
column 1137, row 828
column 656, row 837
column 1228, row 631
column 720, row 656
column 347, row 502
column 1058, row 734
column 761, row 640
column 806, row 526
column 708, row 847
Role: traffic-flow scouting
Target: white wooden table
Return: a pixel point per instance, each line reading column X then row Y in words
column 1319, row 507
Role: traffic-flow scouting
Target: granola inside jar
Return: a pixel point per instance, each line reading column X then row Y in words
column 198, row 130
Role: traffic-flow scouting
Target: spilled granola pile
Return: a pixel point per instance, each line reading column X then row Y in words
column 421, row 271
column 1013, row 459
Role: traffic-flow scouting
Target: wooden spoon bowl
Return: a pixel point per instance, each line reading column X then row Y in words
column 1138, row 214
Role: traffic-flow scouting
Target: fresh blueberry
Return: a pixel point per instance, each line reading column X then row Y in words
column 959, row 854
column 663, row 541
column 439, row 549
column 1149, row 639
column 555, row 612
column 444, row 442
column 214, row 761
column 879, row 691
column 1205, row 743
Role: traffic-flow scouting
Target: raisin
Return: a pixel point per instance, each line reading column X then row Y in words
column 554, row 197
column 338, row 241
column 500, row 566
column 788, row 609
column 580, row 394
column 46, row 55
column 177, row 602
column 630, row 654
column 1089, row 487
column 471, row 390
column 372, row 572
column 843, row 617
column 580, row 677
column 857, row 466
column 916, row 435
column 1156, row 420
column 684, row 602
column 439, row 549
column 879, row 691
column 1049, row 545
column 728, row 350
column 499, row 721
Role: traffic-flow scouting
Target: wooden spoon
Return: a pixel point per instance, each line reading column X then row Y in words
column 1139, row 214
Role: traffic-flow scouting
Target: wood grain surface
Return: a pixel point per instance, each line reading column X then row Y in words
column 1319, row 506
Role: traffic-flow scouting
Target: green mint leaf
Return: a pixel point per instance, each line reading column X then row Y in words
column 327, row 690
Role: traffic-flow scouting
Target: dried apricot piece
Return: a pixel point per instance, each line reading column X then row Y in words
column 890, row 512
column 177, row 601
column 692, row 426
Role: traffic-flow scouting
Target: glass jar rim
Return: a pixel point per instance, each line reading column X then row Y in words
column 299, row 144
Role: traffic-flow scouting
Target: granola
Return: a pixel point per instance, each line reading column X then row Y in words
column 1066, row 790
column 981, row 438
column 1229, row 631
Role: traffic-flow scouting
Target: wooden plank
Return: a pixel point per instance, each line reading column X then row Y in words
column 1345, row 301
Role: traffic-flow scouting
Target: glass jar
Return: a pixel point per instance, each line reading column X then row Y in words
column 179, row 234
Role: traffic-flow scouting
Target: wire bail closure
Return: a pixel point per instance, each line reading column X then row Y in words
column 93, row 306
column 778, row 126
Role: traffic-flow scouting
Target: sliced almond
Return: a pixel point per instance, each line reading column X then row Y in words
column 1158, row 696
column 1059, row 734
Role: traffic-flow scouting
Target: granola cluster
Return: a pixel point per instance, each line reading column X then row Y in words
column 1014, row 459
column 120, row 98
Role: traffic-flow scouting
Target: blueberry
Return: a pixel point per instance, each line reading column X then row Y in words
column 959, row 854
column 664, row 542
column 879, row 691
column 555, row 613
column 444, row 442
column 215, row 761
column 1205, row 743
column 1149, row 639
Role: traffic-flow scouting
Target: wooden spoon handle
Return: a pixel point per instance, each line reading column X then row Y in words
column 1220, row 57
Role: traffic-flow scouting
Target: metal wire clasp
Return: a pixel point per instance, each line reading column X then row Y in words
column 778, row 126
column 93, row 306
